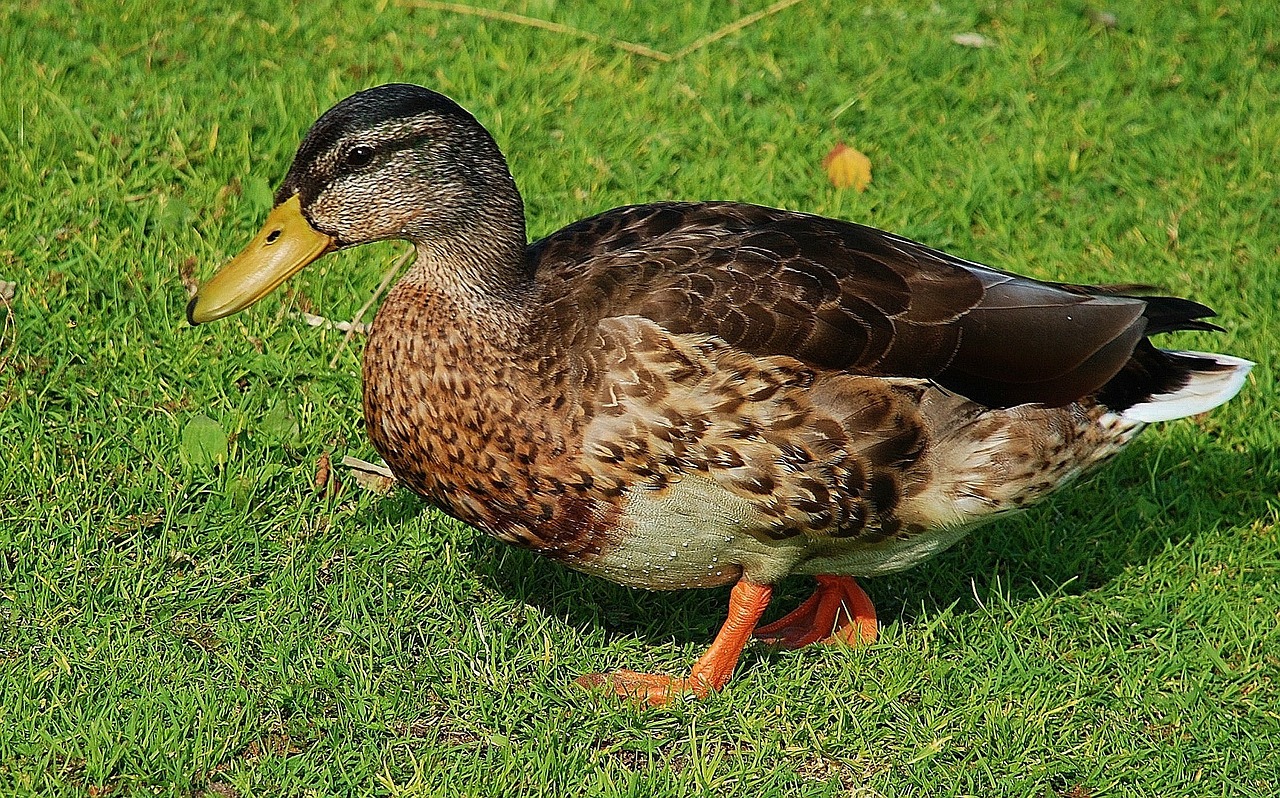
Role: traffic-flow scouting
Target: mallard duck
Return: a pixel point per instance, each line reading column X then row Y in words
column 698, row 394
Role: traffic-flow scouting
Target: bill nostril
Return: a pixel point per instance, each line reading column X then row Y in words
column 272, row 236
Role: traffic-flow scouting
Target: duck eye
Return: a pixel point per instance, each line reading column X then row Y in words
column 359, row 155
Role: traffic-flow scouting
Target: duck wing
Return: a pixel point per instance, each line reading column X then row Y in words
column 844, row 297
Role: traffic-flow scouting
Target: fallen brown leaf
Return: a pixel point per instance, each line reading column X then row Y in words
column 327, row 482
column 323, row 470
column 187, row 272
column 847, row 168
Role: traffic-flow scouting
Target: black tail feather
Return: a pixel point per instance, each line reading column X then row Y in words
column 1170, row 313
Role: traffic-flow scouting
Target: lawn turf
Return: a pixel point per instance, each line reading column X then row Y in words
column 174, row 627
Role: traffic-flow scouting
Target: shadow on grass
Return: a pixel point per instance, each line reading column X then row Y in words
column 1158, row 494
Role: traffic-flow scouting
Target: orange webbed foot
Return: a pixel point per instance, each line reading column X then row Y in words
column 839, row 611
column 747, row 602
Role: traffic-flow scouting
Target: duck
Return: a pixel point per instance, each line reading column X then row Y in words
column 704, row 394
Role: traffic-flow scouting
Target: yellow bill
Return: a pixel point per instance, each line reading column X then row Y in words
column 286, row 243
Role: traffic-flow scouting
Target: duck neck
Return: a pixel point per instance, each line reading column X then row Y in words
column 471, row 283
column 476, row 261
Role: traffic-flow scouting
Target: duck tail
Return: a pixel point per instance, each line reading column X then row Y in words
column 1164, row 384
column 1187, row 383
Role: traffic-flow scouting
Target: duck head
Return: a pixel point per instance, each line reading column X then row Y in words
column 393, row 162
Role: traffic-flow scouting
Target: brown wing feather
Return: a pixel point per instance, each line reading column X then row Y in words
column 839, row 296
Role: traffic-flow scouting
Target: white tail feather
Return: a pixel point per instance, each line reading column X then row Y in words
column 1205, row 391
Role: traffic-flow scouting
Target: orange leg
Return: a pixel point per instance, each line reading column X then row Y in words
column 747, row 602
column 839, row 611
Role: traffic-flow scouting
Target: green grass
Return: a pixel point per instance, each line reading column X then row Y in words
column 171, row 628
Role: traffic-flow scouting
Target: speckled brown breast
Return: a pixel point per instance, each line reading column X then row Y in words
column 478, row 431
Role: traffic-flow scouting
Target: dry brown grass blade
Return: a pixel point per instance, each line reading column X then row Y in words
column 375, row 477
column 534, row 22
column 312, row 320
column 732, row 27
column 630, row 47
column 377, row 292
column 8, row 328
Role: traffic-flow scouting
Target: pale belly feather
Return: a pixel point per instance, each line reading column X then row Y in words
column 697, row 534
